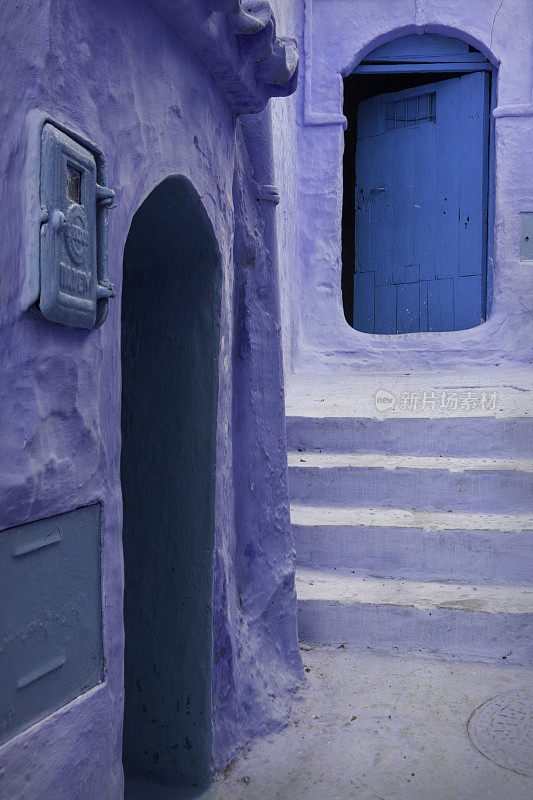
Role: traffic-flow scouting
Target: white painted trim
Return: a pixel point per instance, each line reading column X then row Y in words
column 514, row 110
column 343, row 587
column 407, row 518
column 390, row 462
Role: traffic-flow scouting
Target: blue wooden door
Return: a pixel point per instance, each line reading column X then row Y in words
column 421, row 208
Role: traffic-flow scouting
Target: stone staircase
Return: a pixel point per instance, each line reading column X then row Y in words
column 413, row 530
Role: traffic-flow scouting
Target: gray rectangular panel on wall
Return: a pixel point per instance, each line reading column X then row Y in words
column 50, row 615
column 526, row 236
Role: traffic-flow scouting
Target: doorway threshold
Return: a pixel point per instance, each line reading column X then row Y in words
column 140, row 789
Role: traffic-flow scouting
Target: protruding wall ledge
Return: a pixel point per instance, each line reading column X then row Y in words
column 237, row 41
column 267, row 193
column 316, row 118
column 514, row 110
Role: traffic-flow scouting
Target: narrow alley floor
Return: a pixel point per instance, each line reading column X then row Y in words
column 371, row 727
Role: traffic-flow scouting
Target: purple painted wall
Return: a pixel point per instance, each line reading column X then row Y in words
column 255, row 631
column 285, row 129
column 336, row 36
column 117, row 73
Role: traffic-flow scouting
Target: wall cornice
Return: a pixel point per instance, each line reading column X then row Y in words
column 238, row 43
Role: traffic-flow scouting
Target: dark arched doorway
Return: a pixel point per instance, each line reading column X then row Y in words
column 170, row 345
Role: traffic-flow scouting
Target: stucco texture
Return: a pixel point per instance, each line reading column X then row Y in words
column 115, row 73
column 337, row 35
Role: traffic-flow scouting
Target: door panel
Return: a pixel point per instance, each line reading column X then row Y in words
column 447, row 157
column 425, row 188
column 424, row 305
column 363, row 257
column 467, row 300
column 441, row 305
column 474, row 98
column 385, row 309
column 408, row 308
column 364, row 301
column 421, row 195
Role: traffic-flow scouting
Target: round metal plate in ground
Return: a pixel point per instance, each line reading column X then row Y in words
column 502, row 730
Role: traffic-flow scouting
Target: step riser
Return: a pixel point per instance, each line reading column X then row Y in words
column 417, row 554
column 492, row 492
column 444, row 633
column 457, row 437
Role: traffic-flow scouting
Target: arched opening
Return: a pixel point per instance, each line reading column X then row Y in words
column 416, row 238
column 170, row 346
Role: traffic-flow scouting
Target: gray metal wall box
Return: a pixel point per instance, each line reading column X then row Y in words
column 74, row 289
column 51, row 647
column 526, row 236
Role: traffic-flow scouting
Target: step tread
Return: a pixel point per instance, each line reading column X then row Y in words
column 407, row 518
column 344, row 587
column 322, row 460
column 352, row 394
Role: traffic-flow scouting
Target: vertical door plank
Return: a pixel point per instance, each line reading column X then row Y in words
column 425, row 198
column 424, row 321
column 368, row 118
column 474, row 113
column 363, row 206
column 363, row 301
column 408, row 308
column 467, row 301
column 441, row 305
column 448, row 152
column 403, row 194
column 385, row 309
column 382, row 200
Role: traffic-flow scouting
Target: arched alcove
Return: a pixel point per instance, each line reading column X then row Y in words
column 417, row 195
column 170, row 346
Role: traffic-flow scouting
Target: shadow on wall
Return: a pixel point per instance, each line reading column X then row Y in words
column 170, row 346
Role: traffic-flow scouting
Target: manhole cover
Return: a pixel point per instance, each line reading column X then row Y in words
column 502, row 730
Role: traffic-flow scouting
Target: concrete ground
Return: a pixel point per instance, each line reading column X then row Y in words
column 370, row 727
